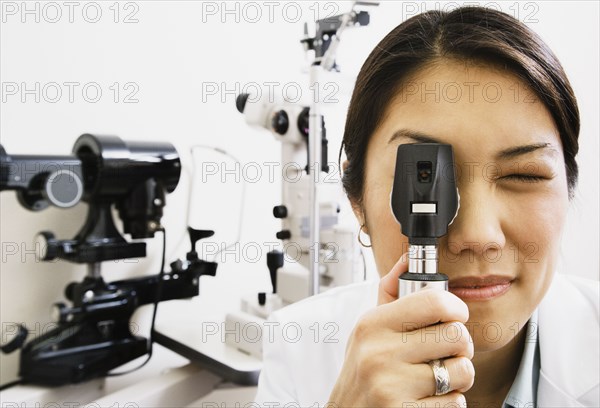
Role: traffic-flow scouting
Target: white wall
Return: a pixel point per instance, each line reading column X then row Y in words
column 171, row 56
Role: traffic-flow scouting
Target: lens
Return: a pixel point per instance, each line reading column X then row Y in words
column 424, row 170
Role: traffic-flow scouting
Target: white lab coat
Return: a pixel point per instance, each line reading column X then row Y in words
column 301, row 366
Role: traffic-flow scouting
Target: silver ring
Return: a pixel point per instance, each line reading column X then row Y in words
column 442, row 378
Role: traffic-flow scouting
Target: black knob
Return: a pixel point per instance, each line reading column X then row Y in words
column 284, row 234
column 192, row 256
column 280, row 211
column 70, row 290
column 274, row 262
column 240, row 102
column 16, row 342
column 177, row 266
column 63, row 188
column 59, row 312
column 48, row 246
column 196, row 235
column 303, row 120
column 262, row 298
column 280, row 123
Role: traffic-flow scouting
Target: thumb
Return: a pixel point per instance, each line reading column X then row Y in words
column 388, row 285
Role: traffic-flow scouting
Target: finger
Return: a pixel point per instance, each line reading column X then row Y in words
column 420, row 309
column 460, row 372
column 438, row 341
column 388, row 285
column 453, row 399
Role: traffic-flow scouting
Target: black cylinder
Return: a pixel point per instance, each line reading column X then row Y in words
column 112, row 167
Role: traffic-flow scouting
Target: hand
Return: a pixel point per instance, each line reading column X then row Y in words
column 387, row 355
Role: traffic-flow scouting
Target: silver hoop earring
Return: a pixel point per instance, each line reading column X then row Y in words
column 359, row 239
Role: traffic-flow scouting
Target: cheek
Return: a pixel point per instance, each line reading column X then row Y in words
column 536, row 221
column 533, row 230
column 388, row 243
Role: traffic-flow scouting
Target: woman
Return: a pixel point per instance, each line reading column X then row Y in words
column 483, row 82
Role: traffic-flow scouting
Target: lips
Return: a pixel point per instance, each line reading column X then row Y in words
column 480, row 288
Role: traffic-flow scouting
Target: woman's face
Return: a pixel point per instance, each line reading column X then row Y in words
column 511, row 179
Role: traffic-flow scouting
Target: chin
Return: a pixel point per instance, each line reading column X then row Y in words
column 494, row 339
column 493, row 325
column 482, row 346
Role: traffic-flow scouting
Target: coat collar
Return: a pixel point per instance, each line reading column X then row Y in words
column 569, row 344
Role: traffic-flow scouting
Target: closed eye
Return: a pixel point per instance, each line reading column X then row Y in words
column 525, row 178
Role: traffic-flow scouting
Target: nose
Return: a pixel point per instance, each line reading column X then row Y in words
column 477, row 227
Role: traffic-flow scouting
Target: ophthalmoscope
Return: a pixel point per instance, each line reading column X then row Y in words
column 425, row 201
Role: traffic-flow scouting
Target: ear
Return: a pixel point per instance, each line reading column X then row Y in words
column 356, row 207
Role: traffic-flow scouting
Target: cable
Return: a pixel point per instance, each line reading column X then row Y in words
column 156, row 301
column 10, row 384
column 242, row 201
column 184, row 234
column 162, row 268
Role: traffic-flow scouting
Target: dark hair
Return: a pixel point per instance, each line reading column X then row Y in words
column 467, row 33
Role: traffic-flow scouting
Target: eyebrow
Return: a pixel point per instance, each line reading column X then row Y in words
column 516, row 151
column 412, row 134
column 505, row 154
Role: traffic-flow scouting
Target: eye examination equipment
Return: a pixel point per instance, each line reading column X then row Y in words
column 328, row 254
column 93, row 336
column 288, row 122
column 425, row 201
column 325, row 44
column 338, row 250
